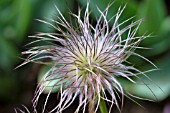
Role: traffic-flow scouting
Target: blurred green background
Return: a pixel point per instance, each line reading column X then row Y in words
column 17, row 21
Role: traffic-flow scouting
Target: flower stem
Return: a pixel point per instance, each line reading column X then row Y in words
column 103, row 107
column 91, row 107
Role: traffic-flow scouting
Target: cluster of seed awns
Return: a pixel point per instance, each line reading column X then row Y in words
column 88, row 60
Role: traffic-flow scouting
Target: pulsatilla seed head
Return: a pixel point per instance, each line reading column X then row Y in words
column 88, row 60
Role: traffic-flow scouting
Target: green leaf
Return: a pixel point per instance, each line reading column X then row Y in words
column 8, row 54
column 15, row 19
column 48, row 10
column 160, row 81
column 129, row 11
column 154, row 13
column 23, row 9
column 50, row 83
column 164, row 39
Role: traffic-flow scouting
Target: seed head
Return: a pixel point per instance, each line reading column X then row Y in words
column 88, row 60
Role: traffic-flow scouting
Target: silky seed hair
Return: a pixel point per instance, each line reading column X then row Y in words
column 87, row 60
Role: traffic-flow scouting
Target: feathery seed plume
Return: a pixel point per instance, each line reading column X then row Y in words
column 88, row 60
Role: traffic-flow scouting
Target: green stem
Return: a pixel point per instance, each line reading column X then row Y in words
column 103, row 107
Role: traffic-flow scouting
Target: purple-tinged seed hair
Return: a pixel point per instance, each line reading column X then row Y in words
column 88, row 60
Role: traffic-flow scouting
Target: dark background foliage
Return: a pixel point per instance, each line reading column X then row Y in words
column 17, row 21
